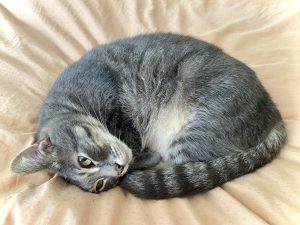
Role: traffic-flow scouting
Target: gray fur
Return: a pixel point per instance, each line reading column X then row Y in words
column 179, row 114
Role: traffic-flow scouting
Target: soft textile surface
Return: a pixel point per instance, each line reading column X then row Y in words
column 38, row 39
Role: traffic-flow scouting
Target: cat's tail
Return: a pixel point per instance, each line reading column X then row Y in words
column 180, row 179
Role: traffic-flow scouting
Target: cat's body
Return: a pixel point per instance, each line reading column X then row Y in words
column 183, row 101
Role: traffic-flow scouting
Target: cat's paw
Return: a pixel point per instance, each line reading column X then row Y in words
column 144, row 160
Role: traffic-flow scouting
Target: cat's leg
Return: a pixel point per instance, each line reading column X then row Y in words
column 198, row 142
column 144, row 160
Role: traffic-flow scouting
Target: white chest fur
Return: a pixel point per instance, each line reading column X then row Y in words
column 165, row 128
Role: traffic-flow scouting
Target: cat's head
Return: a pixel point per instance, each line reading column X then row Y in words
column 81, row 151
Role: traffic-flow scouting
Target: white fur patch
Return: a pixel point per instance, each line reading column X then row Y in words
column 80, row 132
column 170, row 120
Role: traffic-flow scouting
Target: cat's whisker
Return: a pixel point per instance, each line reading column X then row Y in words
column 104, row 120
column 28, row 133
column 97, row 114
column 22, row 133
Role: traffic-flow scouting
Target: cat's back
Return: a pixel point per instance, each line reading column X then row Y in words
column 152, row 67
column 150, row 49
column 143, row 74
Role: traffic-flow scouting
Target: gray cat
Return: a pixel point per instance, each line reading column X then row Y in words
column 163, row 115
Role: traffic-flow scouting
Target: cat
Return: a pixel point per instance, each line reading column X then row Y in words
column 162, row 115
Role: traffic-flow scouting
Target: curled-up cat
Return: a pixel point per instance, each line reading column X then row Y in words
column 163, row 115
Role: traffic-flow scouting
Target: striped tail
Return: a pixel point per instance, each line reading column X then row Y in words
column 176, row 180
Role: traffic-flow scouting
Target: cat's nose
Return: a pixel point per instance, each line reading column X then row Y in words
column 119, row 168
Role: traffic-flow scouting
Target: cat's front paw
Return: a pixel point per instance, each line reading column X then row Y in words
column 144, row 160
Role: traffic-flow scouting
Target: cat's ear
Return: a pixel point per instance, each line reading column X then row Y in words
column 38, row 156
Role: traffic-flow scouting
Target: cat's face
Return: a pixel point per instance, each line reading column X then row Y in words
column 85, row 155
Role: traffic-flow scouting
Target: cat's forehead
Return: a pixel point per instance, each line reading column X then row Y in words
column 92, row 143
column 82, row 132
column 95, row 152
column 92, row 134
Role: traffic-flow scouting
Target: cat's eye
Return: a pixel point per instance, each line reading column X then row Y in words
column 85, row 162
column 99, row 185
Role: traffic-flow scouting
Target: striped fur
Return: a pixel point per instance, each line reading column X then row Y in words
column 180, row 179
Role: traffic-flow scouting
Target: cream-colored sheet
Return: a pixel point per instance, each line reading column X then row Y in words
column 38, row 39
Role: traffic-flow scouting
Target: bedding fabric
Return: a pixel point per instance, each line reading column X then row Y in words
column 38, row 39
